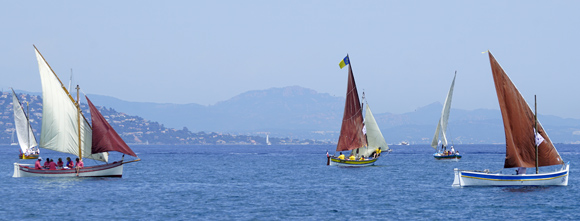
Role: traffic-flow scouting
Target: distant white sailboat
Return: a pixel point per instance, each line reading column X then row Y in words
column 13, row 143
column 26, row 139
column 443, row 153
column 268, row 140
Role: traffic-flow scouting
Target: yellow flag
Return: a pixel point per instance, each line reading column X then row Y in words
column 344, row 62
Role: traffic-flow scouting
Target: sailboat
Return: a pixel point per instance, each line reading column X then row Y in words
column 525, row 148
column 66, row 130
column 443, row 153
column 24, row 133
column 362, row 137
column 13, row 143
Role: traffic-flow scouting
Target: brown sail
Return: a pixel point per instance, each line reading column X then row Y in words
column 351, row 132
column 518, row 122
column 104, row 136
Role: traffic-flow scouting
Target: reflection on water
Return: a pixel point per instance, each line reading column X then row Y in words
column 43, row 183
column 526, row 189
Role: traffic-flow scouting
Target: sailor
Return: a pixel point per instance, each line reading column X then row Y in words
column 362, row 158
column 69, row 163
column 352, row 157
column 52, row 165
column 60, row 164
column 79, row 164
column 452, row 149
column 46, row 163
column 37, row 164
column 341, row 156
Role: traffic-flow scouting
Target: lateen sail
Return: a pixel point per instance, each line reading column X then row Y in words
column 24, row 132
column 105, row 138
column 375, row 138
column 59, row 117
column 518, row 122
column 442, row 125
column 351, row 132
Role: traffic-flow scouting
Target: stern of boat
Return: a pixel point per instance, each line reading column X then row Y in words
column 565, row 181
column 16, row 170
column 457, row 181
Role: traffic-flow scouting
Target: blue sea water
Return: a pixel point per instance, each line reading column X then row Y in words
column 285, row 182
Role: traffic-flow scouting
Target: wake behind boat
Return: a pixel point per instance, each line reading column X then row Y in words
column 362, row 138
column 527, row 144
column 66, row 130
column 444, row 153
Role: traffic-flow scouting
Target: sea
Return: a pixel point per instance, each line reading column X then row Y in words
column 282, row 182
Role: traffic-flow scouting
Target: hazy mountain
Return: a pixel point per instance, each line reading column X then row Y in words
column 303, row 113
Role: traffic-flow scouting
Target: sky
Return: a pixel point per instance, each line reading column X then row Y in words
column 403, row 53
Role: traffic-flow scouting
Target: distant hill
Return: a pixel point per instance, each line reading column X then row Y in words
column 284, row 112
column 133, row 129
column 303, row 113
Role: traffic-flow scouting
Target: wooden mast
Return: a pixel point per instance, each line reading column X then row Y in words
column 78, row 104
column 27, row 127
column 536, row 130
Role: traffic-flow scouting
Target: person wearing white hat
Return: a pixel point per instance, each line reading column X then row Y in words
column 37, row 164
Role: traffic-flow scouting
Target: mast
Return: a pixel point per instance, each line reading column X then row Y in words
column 536, row 130
column 351, row 132
column 78, row 104
column 28, row 126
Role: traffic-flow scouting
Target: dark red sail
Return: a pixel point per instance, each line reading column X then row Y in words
column 105, row 138
column 351, row 132
column 518, row 122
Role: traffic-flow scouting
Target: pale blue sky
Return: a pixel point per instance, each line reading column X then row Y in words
column 403, row 53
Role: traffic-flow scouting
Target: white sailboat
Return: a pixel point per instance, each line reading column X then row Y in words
column 66, row 130
column 362, row 137
column 13, row 143
column 24, row 133
column 525, row 148
column 443, row 153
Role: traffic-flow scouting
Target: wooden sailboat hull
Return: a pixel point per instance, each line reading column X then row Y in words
column 29, row 157
column 441, row 156
column 474, row 178
column 351, row 163
column 106, row 170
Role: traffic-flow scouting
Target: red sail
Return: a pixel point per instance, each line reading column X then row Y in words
column 518, row 122
column 351, row 132
column 104, row 136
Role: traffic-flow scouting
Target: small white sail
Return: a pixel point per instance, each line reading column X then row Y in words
column 442, row 124
column 375, row 138
column 24, row 132
column 59, row 117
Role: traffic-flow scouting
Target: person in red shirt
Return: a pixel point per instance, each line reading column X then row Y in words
column 60, row 163
column 37, row 164
column 46, row 163
column 52, row 165
column 79, row 165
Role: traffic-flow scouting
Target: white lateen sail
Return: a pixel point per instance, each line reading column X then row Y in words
column 59, row 117
column 442, row 124
column 375, row 138
column 24, row 132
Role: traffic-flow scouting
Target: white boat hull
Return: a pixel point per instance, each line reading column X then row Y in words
column 475, row 178
column 106, row 170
